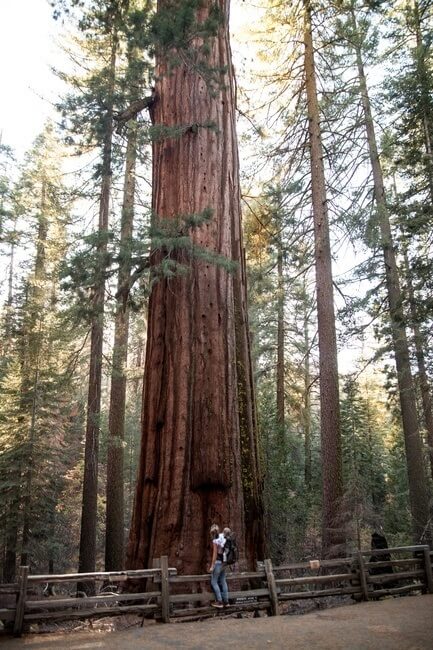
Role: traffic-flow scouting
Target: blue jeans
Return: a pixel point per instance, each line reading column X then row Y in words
column 219, row 583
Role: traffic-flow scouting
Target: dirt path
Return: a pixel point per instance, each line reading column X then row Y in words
column 394, row 624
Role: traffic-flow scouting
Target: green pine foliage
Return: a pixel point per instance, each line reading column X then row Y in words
column 39, row 423
column 365, row 462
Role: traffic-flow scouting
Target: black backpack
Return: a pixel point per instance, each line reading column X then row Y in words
column 230, row 551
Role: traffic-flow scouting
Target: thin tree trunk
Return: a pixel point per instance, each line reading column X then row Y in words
column 199, row 460
column 306, row 411
column 114, row 536
column 280, row 342
column 420, row 345
column 418, row 493
column 87, row 553
column 332, row 482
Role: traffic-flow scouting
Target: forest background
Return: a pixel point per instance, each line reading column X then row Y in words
column 73, row 243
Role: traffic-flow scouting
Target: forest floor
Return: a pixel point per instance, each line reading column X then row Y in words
column 390, row 624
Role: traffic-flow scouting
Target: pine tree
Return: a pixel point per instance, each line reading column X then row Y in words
column 415, row 464
column 332, row 538
column 35, row 422
column 364, row 463
column 88, row 114
column 409, row 155
column 114, row 536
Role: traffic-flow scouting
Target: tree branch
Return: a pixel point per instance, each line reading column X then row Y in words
column 134, row 109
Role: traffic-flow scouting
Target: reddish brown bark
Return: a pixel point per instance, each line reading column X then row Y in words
column 332, row 482
column 198, row 460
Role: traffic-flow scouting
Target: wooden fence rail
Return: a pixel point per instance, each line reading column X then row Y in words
column 163, row 597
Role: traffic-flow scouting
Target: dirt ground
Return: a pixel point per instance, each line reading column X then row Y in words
column 391, row 624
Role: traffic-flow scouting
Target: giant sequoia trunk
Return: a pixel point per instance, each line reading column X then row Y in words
column 332, row 482
column 418, row 494
column 199, row 461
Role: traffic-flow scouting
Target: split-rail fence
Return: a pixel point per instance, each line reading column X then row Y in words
column 165, row 595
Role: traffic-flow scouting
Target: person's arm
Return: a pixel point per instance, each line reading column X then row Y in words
column 214, row 556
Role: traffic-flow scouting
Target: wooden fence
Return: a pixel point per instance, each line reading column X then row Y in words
column 168, row 595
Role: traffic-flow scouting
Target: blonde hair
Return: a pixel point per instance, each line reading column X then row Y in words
column 227, row 532
column 214, row 530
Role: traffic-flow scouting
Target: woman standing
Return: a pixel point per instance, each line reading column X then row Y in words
column 217, row 568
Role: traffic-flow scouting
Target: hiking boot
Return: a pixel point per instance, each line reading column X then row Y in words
column 217, row 604
column 226, row 605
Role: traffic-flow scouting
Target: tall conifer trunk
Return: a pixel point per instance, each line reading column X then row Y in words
column 306, row 409
column 199, row 461
column 332, row 482
column 87, row 556
column 280, row 341
column 424, row 383
column 427, row 127
column 114, row 535
column 418, row 494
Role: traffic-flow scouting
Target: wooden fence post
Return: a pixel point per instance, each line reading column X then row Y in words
column 273, row 596
column 428, row 569
column 363, row 576
column 21, row 602
column 165, row 590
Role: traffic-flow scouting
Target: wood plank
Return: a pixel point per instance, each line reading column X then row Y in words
column 98, row 575
column 89, row 613
column 320, row 593
column 396, row 563
column 208, row 595
column 397, row 590
column 363, row 576
column 428, row 570
column 7, row 614
column 273, row 595
column 396, row 549
column 88, row 600
column 315, row 579
column 211, row 611
column 165, row 590
column 242, row 575
column 9, row 588
column 21, row 602
column 345, row 561
column 394, row 577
